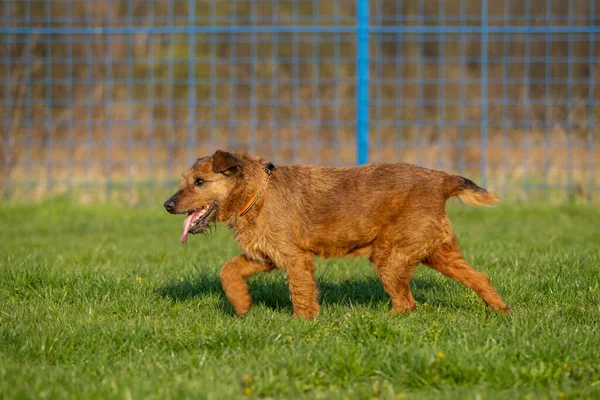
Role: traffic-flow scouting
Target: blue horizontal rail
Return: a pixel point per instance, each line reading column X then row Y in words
column 161, row 30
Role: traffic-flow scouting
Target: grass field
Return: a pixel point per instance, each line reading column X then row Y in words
column 104, row 302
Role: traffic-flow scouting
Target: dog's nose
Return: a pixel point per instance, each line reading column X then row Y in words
column 170, row 205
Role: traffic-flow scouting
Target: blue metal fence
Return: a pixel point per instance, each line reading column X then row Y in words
column 113, row 99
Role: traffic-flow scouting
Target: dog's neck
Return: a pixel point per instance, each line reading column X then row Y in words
column 248, row 189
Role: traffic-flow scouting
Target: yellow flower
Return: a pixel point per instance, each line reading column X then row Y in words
column 562, row 395
column 425, row 304
column 401, row 395
column 441, row 355
column 139, row 278
column 248, row 391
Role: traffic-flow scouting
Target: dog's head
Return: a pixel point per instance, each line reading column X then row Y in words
column 203, row 190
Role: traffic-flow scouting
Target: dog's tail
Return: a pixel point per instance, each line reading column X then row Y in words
column 467, row 191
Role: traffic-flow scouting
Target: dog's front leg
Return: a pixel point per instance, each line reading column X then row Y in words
column 233, row 279
column 303, row 288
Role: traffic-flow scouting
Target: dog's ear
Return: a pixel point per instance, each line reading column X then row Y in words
column 226, row 163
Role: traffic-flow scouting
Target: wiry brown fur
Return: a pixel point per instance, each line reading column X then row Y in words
column 392, row 213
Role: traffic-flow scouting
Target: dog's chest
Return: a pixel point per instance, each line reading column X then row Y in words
column 256, row 246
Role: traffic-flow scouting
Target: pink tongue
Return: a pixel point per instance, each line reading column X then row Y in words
column 186, row 227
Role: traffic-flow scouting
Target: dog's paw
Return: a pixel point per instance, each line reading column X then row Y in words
column 404, row 309
column 306, row 314
column 240, row 312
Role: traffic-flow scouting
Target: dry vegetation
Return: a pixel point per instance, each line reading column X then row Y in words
column 284, row 96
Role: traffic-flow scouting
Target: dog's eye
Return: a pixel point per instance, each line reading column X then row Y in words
column 198, row 182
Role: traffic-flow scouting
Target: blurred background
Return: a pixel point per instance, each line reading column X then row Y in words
column 112, row 100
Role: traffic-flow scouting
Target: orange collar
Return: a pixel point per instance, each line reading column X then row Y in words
column 267, row 170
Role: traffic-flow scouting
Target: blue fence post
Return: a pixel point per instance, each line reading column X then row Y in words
column 191, row 83
column 362, row 82
column 8, row 101
column 484, row 90
column 591, row 96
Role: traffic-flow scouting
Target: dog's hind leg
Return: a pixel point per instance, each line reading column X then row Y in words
column 395, row 269
column 449, row 261
column 233, row 279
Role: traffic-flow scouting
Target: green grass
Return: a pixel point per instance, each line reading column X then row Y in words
column 104, row 302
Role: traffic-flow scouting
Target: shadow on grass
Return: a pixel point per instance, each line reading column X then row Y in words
column 271, row 290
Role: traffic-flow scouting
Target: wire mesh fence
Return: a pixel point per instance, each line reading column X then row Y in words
column 112, row 100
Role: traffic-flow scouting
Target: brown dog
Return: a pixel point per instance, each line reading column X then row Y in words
column 281, row 218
